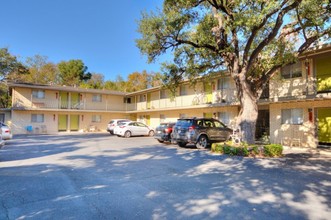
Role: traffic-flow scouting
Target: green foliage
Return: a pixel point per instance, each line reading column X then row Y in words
column 245, row 150
column 96, row 82
column 252, row 39
column 217, row 148
column 40, row 71
column 273, row 150
column 73, row 72
column 10, row 67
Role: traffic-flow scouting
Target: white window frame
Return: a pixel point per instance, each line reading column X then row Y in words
column 37, row 118
column 292, row 71
column 96, row 98
column 292, row 116
column 96, row 118
column 162, row 118
column 163, row 94
column 182, row 90
column 224, row 117
column 38, row 94
column 223, row 83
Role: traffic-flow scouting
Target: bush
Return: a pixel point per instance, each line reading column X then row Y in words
column 217, row 147
column 273, row 150
column 245, row 150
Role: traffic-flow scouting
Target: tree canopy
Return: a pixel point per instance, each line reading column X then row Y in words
column 249, row 39
column 73, row 72
column 10, row 65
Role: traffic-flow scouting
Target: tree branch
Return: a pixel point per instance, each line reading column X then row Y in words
column 273, row 33
column 256, row 29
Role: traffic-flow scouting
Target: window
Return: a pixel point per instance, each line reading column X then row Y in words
column 182, row 115
column 291, row 71
column 162, row 118
column 97, row 98
column 292, row 116
column 96, row 118
column 38, row 94
column 223, row 83
column 224, row 117
column 37, row 118
column 163, row 94
column 182, row 90
column 127, row 100
column 142, row 98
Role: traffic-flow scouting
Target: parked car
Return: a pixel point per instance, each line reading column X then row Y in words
column 133, row 128
column 163, row 132
column 5, row 132
column 200, row 131
column 111, row 125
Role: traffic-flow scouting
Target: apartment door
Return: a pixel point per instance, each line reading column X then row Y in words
column 208, row 115
column 149, row 100
column 208, row 92
column 75, row 100
column 62, row 123
column 64, row 99
column 324, row 125
column 323, row 74
column 148, row 119
column 262, row 124
column 74, row 122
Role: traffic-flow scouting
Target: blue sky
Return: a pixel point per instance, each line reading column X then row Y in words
column 102, row 33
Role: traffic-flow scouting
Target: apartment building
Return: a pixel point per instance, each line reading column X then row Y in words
column 294, row 110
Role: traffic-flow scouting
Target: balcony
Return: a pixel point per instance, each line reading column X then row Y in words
column 58, row 105
column 224, row 97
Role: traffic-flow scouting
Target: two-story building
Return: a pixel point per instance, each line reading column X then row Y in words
column 294, row 110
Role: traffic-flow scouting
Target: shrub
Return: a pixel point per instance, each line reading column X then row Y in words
column 245, row 150
column 217, row 147
column 273, row 150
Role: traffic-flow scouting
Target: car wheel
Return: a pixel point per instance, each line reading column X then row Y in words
column 181, row 144
column 202, row 142
column 127, row 134
column 151, row 133
column 160, row 141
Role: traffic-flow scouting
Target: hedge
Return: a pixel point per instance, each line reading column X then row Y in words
column 270, row 150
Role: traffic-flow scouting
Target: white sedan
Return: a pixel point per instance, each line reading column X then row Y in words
column 5, row 132
column 133, row 128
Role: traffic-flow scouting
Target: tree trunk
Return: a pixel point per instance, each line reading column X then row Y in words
column 248, row 113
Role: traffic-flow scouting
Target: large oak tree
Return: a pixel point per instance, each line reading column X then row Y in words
column 248, row 39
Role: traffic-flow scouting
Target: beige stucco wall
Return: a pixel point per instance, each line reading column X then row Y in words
column 285, row 132
column 7, row 116
column 109, row 102
column 293, row 87
column 22, row 119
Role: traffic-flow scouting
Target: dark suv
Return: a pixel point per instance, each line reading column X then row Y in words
column 164, row 132
column 200, row 131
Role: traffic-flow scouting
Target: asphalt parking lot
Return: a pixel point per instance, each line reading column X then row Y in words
column 97, row 176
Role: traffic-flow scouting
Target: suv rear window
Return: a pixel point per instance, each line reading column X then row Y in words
column 184, row 122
